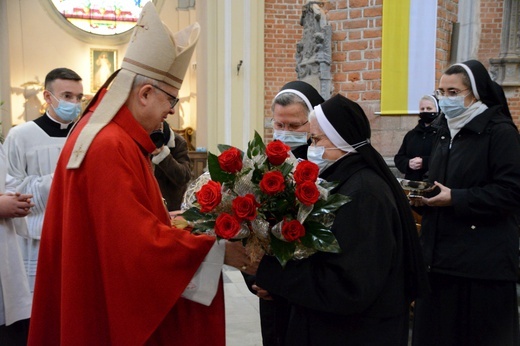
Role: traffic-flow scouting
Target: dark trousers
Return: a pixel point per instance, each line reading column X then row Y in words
column 274, row 318
column 14, row 334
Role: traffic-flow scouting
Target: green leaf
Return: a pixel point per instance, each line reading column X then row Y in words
column 328, row 185
column 275, row 206
column 320, row 238
column 286, row 168
column 194, row 214
column 244, row 171
column 256, row 146
column 216, row 173
column 257, row 176
column 204, row 226
column 283, row 251
column 330, row 205
column 223, row 147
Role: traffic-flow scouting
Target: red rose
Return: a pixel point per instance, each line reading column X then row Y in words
column 230, row 160
column 244, row 207
column 226, row 226
column 306, row 171
column 277, row 152
column 307, row 192
column 209, row 196
column 292, row 230
column 272, row 183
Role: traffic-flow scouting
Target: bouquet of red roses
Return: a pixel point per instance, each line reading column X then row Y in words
column 272, row 202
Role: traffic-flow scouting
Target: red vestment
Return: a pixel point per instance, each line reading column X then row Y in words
column 111, row 269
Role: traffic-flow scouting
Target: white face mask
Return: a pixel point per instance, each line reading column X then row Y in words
column 291, row 138
column 452, row 106
column 315, row 155
column 67, row 111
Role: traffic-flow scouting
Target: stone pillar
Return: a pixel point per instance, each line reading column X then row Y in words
column 505, row 70
column 313, row 52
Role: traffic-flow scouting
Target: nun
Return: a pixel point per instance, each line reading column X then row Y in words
column 469, row 231
column 360, row 296
column 290, row 108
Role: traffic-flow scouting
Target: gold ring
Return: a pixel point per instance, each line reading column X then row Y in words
column 244, row 267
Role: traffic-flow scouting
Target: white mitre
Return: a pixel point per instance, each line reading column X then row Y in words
column 153, row 52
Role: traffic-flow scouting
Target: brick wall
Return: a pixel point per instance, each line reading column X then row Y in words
column 491, row 18
column 282, row 31
column 356, row 55
column 491, row 23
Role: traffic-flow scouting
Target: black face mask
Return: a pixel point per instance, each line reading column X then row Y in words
column 157, row 137
column 428, row 117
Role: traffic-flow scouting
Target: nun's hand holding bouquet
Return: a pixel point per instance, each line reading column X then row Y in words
column 267, row 199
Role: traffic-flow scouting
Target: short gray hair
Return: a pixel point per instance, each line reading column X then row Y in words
column 141, row 80
column 288, row 98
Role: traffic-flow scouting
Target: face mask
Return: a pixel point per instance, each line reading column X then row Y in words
column 291, row 138
column 452, row 106
column 315, row 155
column 428, row 117
column 67, row 111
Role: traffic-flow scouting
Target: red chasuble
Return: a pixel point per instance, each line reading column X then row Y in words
column 111, row 269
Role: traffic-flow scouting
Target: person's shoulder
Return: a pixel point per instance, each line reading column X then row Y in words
column 25, row 130
column 499, row 122
column 365, row 184
column 111, row 135
column 27, row 126
column 410, row 134
column 179, row 139
column 178, row 136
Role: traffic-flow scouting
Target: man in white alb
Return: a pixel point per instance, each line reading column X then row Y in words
column 33, row 149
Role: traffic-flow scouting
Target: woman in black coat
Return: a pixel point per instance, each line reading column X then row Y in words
column 469, row 231
column 413, row 156
column 361, row 295
column 291, row 108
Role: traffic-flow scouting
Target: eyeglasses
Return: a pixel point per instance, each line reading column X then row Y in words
column 448, row 93
column 173, row 100
column 316, row 139
column 70, row 97
column 291, row 126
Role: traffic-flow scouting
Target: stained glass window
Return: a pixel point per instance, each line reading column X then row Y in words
column 101, row 17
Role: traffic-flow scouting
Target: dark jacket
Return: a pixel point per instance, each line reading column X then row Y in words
column 476, row 237
column 416, row 143
column 301, row 151
column 174, row 172
column 355, row 297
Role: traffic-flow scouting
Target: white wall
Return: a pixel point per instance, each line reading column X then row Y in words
column 231, row 104
column 33, row 43
column 222, row 106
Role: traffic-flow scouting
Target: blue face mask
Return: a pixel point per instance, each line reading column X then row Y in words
column 315, row 155
column 452, row 107
column 67, row 111
column 291, row 138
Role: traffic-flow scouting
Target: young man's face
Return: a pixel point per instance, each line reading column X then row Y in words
column 62, row 89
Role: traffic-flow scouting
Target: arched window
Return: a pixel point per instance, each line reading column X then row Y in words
column 97, row 21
